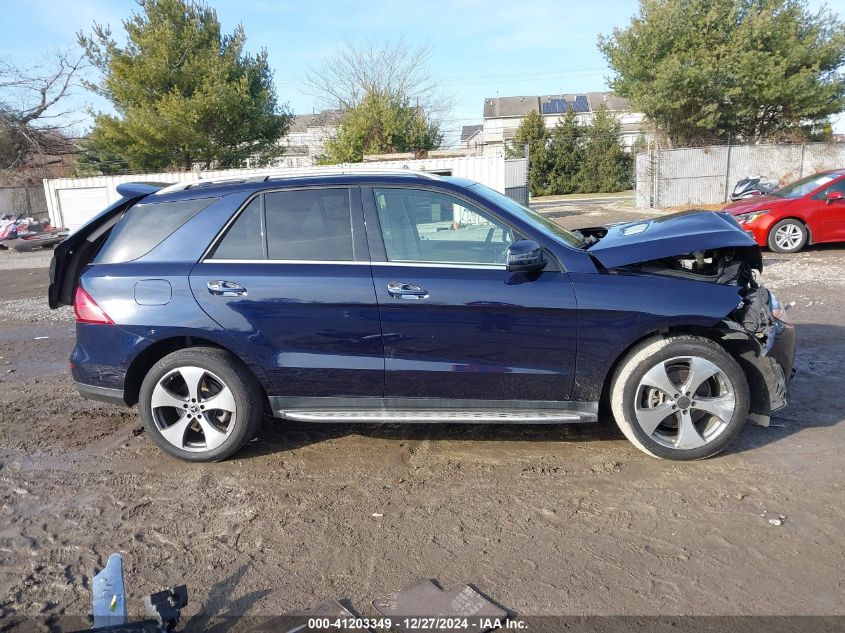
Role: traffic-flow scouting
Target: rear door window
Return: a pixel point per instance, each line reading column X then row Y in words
column 301, row 225
column 145, row 226
column 309, row 224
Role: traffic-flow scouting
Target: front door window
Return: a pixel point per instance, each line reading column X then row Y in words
column 432, row 227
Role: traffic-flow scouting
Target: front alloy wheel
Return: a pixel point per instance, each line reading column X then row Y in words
column 684, row 402
column 788, row 236
column 682, row 397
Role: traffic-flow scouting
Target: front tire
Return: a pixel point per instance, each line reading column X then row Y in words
column 679, row 398
column 200, row 404
column 788, row 236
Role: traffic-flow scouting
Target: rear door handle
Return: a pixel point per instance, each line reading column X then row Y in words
column 402, row 290
column 224, row 288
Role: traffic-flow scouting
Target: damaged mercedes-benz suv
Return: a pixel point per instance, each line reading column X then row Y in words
column 407, row 297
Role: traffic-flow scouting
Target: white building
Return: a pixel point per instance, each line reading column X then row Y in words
column 471, row 138
column 502, row 116
column 305, row 141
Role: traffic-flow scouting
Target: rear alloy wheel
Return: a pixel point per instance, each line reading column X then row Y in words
column 788, row 236
column 680, row 398
column 200, row 404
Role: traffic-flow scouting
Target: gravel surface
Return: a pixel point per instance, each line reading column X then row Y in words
column 11, row 260
column 545, row 520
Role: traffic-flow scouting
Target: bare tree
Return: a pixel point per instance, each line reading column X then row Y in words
column 33, row 127
column 394, row 68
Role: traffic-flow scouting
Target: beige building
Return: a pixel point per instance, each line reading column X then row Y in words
column 502, row 116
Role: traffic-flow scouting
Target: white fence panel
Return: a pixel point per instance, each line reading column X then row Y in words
column 489, row 170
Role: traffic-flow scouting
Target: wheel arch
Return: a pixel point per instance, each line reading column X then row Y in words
column 150, row 355
column 744, row 349
column 797, row 218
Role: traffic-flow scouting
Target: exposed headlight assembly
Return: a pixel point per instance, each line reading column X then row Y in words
column 777, row 308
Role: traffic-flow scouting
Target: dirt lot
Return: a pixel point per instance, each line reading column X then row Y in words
column 546, row 520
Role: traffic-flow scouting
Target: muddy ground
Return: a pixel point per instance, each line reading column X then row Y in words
column 545, row 520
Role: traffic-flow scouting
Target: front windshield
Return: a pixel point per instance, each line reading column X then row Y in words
column 528, row 216
column 804, row 186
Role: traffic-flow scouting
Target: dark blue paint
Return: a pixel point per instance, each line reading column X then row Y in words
column 669, row 235
column 313, row 327
column 334, row 330
column 153, row 292
column 480, row 334
column 615, row 311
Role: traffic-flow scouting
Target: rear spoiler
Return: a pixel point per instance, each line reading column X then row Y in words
column 131, row 190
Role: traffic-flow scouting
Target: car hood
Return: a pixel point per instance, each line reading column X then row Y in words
column 753, row 204
column 670, row 236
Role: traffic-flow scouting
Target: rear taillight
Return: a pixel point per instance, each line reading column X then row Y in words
column 87, row 310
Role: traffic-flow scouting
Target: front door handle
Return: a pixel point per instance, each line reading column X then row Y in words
column 224, row 288
column 402, row 290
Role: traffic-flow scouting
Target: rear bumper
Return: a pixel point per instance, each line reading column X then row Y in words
column 102, row 356
column 103, row 394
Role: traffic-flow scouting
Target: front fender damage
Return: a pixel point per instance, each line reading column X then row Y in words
column 763, row 346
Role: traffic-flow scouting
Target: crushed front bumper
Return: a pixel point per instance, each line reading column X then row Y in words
column 769, row 370
column 781, row 357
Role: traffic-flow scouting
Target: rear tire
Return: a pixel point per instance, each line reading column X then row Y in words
column 679, row 398
column 201, row 404
column 788, row 236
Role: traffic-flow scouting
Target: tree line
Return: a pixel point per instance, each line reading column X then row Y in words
column 573, row 158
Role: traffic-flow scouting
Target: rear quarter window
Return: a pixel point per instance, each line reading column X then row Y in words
column 145, row 226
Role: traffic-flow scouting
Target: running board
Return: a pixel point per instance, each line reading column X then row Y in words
column 433, row 411
column 435, row 417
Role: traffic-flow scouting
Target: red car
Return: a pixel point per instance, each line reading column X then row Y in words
column 809, row 211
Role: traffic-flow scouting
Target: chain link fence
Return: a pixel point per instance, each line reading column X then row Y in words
column 707, row 175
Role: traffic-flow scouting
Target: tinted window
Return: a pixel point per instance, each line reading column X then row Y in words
column 145, row 226
column 533, row 218
column 313, row 224
column 804, row 186
column 429, row 226
column 244, row 239
column 838, row 186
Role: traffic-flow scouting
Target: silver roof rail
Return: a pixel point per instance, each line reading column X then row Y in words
column 300, row 173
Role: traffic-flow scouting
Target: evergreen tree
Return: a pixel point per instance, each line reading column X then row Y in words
column 184, row 93
column 606, row 167
column 566, row 154
column 532, row 133
column 705, row 70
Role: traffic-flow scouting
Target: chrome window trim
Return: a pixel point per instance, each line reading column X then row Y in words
column 466, row 266
column 357, row 263
column 206, row 256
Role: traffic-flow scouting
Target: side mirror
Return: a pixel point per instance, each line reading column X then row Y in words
column 525, row 255
column 835, row 196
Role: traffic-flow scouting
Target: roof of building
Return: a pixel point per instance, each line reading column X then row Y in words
column 510, row 106
column 468, row 131
column 496, row 107
column 301, row 122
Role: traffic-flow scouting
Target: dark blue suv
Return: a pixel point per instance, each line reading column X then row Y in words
column 408, row 297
